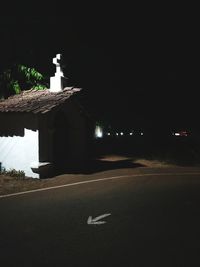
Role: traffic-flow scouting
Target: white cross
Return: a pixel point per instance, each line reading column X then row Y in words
column 56, row 82
column 56, row 61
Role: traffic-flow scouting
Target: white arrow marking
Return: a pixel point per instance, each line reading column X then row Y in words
column 96, row 219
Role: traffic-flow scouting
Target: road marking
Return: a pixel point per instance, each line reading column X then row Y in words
column 95, row 180
column 96, row 219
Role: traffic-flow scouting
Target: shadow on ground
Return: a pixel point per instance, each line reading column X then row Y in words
column 99, row 165
column 174, row 151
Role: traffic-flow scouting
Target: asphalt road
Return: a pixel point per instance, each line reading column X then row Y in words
column 154, row 220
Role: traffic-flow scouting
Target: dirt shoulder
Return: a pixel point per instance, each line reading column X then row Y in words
column 111, row 165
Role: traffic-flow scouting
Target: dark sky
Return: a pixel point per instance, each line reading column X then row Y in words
column 138, row 65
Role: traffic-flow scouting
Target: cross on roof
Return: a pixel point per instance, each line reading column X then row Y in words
column 57, row 61
column 56, row 82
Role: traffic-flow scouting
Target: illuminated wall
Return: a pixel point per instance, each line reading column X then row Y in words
column 20, row 152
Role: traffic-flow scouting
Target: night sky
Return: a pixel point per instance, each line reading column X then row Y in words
column 138, row 65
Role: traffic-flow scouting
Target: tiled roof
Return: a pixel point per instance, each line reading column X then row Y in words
column 36, row 101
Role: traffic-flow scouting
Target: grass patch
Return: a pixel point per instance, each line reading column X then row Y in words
column 13, row 173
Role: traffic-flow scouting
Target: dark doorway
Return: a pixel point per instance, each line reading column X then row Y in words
column 61, row 142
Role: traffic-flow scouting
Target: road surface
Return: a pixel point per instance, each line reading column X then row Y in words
column 150, row 219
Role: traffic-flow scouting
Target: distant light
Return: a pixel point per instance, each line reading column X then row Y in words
column 131, row 133
column 142, row 133
column 121, row 133
column 117, row 134
column 181, row 133
column 108, row 133
column 98, row 132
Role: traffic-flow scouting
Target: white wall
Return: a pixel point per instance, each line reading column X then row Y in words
column 19, row 153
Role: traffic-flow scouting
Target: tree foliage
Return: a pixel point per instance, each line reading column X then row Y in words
column 19, row 77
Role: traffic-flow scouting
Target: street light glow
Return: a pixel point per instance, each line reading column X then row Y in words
column 98, row 132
